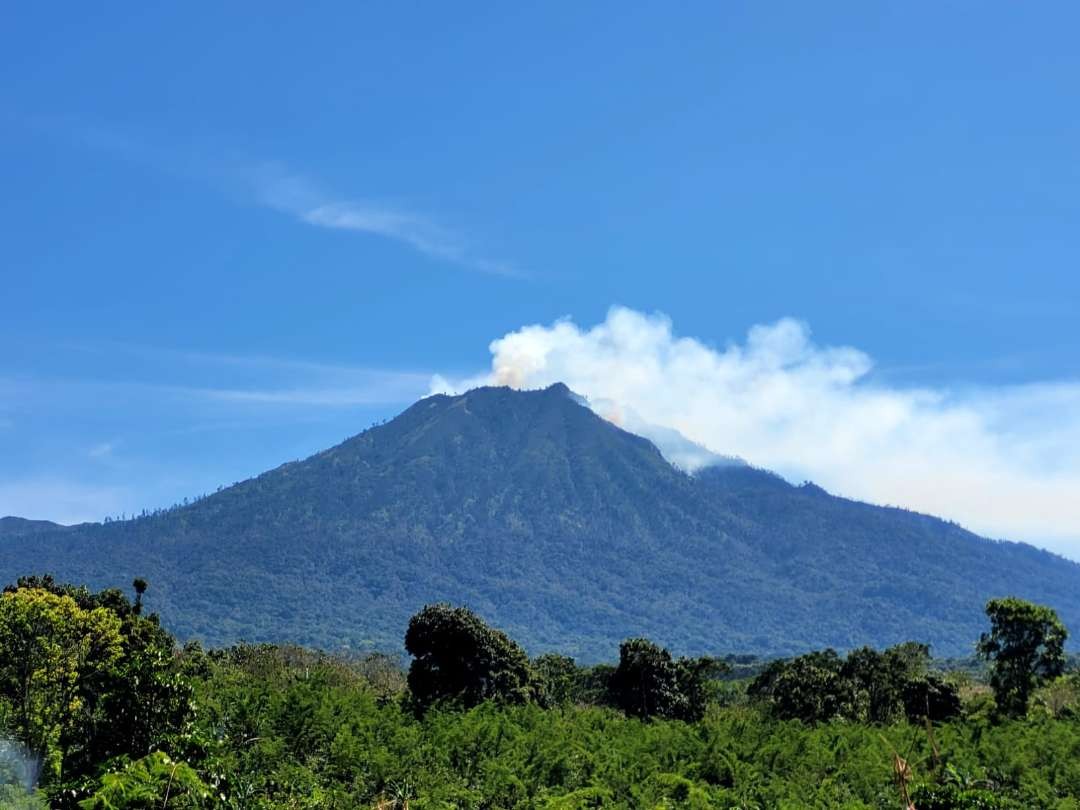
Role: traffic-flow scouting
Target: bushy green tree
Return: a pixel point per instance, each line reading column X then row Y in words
column 646, row 682
column 558, row 679
column 144, row 702
column 1061, row 696
column 931, row 698
column 867, row 686
column 876, row 689
column 810, row 688
column 698, row 682
column 650, row 683
column 125, row 692
column 594, row 685
column 1026, row 647
column 51, row 650
column 384, row 673
column 877, row 680
column 459, row 658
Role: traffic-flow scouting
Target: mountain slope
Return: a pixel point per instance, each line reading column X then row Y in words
column 13, row 526
column 561, row 528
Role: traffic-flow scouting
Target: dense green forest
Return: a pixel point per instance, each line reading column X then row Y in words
column 564, row 530
column 100, row 710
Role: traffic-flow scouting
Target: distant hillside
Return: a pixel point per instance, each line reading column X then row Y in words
column 559, row 527
column 12, row 526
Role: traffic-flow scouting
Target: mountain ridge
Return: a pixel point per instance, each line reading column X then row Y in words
column 557, row 525
column 11, row 525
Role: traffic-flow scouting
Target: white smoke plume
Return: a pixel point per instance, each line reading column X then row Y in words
column 19, row 771
column 1003, row 461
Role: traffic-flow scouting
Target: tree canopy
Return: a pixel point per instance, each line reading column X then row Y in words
column 54, row 653
column 1026, row 646
column 86, row 678
column 650, row 683
column 459, row 658
column 867, row 686
column 123, row 720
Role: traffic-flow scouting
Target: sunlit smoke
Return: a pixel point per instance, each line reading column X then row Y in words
column 1003, row 460
column 18, row 767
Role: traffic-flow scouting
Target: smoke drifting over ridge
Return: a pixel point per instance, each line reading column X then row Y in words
column 1003, row 461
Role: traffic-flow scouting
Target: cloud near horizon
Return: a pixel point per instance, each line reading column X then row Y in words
column 1003, row 461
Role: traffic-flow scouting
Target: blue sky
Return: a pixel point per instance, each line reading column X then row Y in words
column 233, row 236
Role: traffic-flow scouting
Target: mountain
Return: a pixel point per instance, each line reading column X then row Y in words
column 557, row 526
column 11, row 526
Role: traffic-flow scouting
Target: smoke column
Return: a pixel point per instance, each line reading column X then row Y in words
column 17, row 765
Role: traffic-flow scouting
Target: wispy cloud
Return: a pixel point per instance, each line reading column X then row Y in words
column 1004, row 460
column 101, row 450
column 213, row 390
column 263, row 372
column 293, row 193
column 274, row 185
column 333, row 397
column 337, row 390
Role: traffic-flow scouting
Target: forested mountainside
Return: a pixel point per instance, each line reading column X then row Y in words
column 563, row 529
column 11, row 526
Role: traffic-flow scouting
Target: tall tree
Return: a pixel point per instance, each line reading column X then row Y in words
column 810, row 688
column 1026, row 646
column 558, row 679
column 139, row 584
column 50, row 649
column 646, row 682
column 125, row 692
column 457, row 657
column 697, row 681
column 878, row 679
column 931, row 698
column 650, row 683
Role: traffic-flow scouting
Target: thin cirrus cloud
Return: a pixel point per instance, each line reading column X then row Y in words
column 101, row 450
column 385, row 393
column 294, row 194
column 188, row 379
column 1004, row 461
column 276, row 186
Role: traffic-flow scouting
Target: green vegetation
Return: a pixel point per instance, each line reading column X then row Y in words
column 100, row 707
column 1026, row 642
column 566, row 532
column 85, row 679
column 459, row 659
column 866, row 687
column 649, row 683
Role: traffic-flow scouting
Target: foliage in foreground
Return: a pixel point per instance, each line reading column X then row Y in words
column 1026, row 642
column 319, row 737
column 118, row 719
